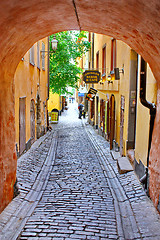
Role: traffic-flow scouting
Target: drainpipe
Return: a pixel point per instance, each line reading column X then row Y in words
column 48, row 70
column 48, row 85
column 152, row 108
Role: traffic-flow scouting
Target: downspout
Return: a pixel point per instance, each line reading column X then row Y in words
column 48, row 69
column 92, row 51
column 152, row 108
column 48, row 86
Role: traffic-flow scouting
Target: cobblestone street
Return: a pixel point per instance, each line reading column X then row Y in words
column 70, row 188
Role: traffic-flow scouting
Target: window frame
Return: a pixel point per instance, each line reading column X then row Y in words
column 43, row 56
column 113, row 54
column 104, row 60
column 97, row 60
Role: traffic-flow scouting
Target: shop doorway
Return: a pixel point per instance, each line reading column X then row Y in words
column 102, row 115
column 112, row 120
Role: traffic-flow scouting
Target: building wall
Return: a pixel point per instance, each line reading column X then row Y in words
column 143, row 118
column 118, row 87
column 30, row 79
column 54, row 102
column 127, row 59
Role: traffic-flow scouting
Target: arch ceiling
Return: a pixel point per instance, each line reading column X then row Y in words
column 135, row 22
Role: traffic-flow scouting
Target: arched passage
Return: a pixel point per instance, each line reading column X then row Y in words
column 24, row 22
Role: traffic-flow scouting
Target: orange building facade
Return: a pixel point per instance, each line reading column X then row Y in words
column 31, row 95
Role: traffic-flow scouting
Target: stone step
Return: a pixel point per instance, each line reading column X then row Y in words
column 124, row 165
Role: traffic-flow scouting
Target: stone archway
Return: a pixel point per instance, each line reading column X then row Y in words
column 24, row 22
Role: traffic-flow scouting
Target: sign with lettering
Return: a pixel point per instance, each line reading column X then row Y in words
column 80, row 94
column 91, row 93
column 91, row 76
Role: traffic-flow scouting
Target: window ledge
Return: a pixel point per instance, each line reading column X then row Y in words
column 32, row 64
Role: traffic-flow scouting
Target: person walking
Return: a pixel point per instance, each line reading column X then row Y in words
column 80, row 108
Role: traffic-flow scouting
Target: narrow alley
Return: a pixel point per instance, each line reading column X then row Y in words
column 70, row 188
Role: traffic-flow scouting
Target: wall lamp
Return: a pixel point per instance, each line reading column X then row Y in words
column 101, row 81
column 115, row 73
column 54, row 44
column 109, row 79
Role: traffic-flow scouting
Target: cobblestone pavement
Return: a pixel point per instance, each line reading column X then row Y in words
column 70, row 188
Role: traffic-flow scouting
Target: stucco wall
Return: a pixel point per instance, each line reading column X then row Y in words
column 29, row 80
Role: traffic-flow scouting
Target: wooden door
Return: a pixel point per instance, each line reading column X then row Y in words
column 101, row 122
column 112, row 120
column 97, row 101
column 108, row 120
column 102, row 114
column 93, row 109
column 122, row 124
column 32, row 121
column 22, row 125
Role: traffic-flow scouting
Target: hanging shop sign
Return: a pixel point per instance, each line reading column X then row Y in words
column 91, row 93
column 91, row 76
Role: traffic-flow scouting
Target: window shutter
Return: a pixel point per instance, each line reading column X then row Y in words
column 43, row 56
column 32, row 55
column 38, row 55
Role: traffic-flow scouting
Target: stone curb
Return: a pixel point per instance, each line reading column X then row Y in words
column 25, row 205
column 126, row 223
column 137, row 213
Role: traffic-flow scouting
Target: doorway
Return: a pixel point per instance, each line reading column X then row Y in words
column 22, row 125
column 32, row 121
column 122, row 124
column 112, row 120
column 132, row 100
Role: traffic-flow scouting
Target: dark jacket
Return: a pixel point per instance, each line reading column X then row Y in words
column 80, row 107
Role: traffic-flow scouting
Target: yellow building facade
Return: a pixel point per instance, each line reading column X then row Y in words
column 54, row 102
column 116, row 110
column 31, row 95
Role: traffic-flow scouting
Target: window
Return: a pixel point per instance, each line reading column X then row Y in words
column 43, row 56
column 38, row 55
column 104, row 61
column 97, row 60
column 89, row 38
column 113, row 54
column 31, row 56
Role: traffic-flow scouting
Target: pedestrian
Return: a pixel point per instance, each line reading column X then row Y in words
column 80, row 108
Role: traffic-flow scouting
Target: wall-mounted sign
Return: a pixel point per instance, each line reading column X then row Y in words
column 91, row 93
column 82, row 89
column 80, row 94
column 91, row 76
